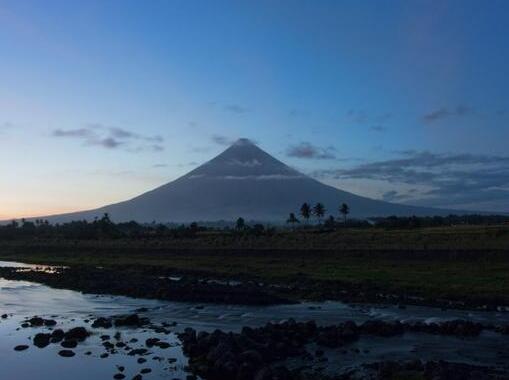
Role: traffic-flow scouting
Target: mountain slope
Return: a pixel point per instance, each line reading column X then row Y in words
column 242, row 181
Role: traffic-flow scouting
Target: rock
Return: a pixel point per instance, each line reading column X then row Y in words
column 57, row 335
column 131, row 320
column 138, row 351
column 119, row 376
column 141, row 360
column 252, row 357
column 381, row 328
column 50, row 322
column 163, row 345
column 66, row 353
column 36, row 321
column 102, row 322
column 69, row 343
column 77, row 333
column 41, row 340
column 137, row 377
column 151, row 342
column 21, row 347
column 145, row 371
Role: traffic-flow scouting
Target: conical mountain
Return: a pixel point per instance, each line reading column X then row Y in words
column 242, row 181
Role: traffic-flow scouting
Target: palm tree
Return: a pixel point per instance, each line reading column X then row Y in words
column 345, row 210
column 305, row 211
column 240, row 224
column 292, row 220
column 330, row 222
column 319, row 211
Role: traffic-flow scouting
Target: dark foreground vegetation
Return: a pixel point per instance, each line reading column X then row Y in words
column 449, row 266
column 105, row 229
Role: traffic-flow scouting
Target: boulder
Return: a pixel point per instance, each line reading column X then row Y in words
column 41, row 340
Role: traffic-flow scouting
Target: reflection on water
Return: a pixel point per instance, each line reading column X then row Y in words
column 24, row 299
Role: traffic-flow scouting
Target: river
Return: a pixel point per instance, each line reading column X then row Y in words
column 21, row 300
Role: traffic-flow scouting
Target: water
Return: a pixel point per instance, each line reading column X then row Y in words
column 23, row 299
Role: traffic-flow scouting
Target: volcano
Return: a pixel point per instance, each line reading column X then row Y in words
column 242, row 181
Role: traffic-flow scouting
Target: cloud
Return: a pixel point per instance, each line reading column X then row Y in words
column 6, row 125
column 383, row 117
column 262, row 177
column 96, row 134
column 359, row 116
column 299, row 113
column 235, row 108
column 306, row 150
column 444, row 180
column 108, row 142
column 444, row 113
column 221, row 140
column 80, row 133
column 390, row 196
column 247, row 164
column 378, row 128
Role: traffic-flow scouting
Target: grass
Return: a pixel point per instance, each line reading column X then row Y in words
column 452, row 262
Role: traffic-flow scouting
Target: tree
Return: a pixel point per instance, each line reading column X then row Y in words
column 319, row 211
column 344, row 210
column 240, row 224
column 305, row 211
column 330, row 222
column 292, row 220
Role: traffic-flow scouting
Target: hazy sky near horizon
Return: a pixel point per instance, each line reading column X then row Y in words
column 406, row 101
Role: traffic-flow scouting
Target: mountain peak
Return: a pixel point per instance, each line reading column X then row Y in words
column 243, row 142
column 243, row 159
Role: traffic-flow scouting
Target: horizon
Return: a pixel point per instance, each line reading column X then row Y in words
column 101, row 102
column 243, row 159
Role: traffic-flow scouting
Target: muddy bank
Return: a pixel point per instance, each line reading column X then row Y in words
column 139, row 284
column 197, row 286
column 365, row 292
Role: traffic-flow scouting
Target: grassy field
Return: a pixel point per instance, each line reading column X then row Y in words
column 453, row 262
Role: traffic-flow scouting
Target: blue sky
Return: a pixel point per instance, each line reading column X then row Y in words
column 400, row 100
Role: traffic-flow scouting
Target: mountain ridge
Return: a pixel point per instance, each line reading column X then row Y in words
column 246, row 181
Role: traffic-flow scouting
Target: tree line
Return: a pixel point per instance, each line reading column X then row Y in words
column 318, row 211
column 105, row 228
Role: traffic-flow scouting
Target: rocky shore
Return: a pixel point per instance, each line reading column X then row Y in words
column 264, row 353
column 260, row 353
